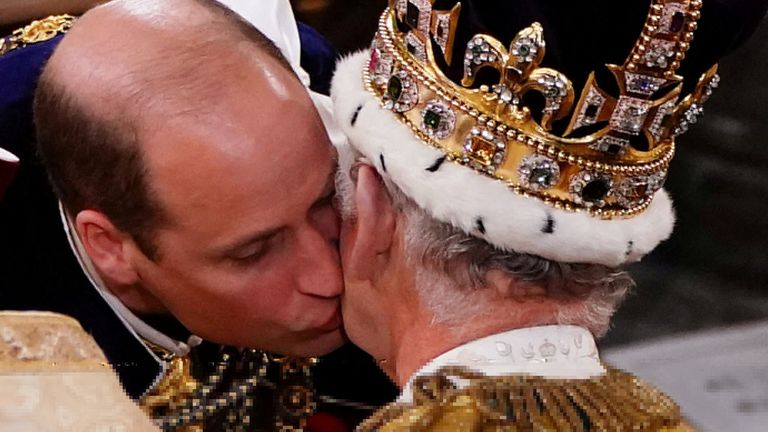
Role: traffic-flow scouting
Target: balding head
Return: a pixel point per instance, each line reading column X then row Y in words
column 130, row 53
column 125, row 69
column 197, row 172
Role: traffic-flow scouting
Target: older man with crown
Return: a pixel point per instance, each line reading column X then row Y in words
column 492, row 192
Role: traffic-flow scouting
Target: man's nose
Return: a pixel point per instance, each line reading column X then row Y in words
column 318, row 266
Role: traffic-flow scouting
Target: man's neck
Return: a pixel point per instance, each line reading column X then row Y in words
column 419, row 344
column 416, row 337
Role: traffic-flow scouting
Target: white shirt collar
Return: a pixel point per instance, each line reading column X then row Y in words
column 548, row 351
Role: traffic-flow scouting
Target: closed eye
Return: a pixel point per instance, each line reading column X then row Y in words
column 253, row 252
column 251, row 258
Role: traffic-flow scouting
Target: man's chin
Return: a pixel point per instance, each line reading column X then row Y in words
column 306, row 343
column 319, row 345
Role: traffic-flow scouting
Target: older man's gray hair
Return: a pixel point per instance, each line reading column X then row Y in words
column 450, row 265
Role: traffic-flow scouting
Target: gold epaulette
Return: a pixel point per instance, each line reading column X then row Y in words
column 35, row 32
column 616, row 401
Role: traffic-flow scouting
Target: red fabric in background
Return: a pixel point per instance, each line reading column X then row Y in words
column 324, row 422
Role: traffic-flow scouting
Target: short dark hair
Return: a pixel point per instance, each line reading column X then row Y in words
column 96, row 161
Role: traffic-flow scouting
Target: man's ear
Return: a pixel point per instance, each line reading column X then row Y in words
column 375, row 225
column 107, row 246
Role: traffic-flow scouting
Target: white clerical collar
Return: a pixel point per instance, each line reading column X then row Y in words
column 551, row 351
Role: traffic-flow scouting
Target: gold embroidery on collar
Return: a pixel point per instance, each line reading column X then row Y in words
column 615, row 401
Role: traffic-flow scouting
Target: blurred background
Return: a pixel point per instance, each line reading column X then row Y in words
column 713, row 272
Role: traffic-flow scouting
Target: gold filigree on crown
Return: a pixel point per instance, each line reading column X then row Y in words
column 613, row 153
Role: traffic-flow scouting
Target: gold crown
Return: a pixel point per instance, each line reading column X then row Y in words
column 594, row 164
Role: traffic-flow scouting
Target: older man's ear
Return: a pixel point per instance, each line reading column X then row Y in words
column 370, row 239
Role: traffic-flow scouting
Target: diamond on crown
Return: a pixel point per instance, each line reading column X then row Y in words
column 673, row 18
column 630, row 114
column 643, row 84
column 659, row 53
column 610, row 145
column 538, row 172
column 416, row 46
column 478, row 51
column 438, row 119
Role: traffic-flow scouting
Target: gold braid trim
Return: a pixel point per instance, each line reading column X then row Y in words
column 37, row 31
column 617, row 401
column 173, row 390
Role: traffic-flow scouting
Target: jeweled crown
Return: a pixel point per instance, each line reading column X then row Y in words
column 605, row 153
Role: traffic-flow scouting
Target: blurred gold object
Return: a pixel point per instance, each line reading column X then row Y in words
column 173, row 391
column 37, row 31
column 311, row 6
column 230, row 393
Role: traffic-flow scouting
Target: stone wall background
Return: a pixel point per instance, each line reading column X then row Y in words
column 713, row 271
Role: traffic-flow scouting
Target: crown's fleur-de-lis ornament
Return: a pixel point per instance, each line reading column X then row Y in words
column 519, row 72
column 609, row 158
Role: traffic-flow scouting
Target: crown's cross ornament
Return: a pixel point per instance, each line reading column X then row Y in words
column 634, row 113
column 649, row 88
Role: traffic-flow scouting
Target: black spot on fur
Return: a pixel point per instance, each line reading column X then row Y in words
column 436, row 166
column 355, row 114
column 630, row 248
column 480, row 225
column 549, row 225
column 383, row 165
